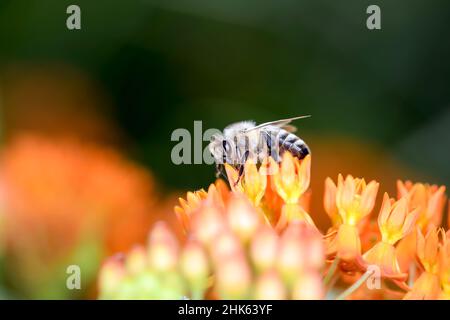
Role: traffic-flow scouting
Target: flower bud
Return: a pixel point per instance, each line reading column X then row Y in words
column 242, row 217
column 111, row 275
column 308, row 287
column 290, row 258
column 136, row 260
column 226, row 246
column 163, row 248
column 207, row 222
column 270, row 287
column 194, row 266
column 263, row 248
column 233, row 278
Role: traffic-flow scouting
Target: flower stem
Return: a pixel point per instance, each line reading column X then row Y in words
column 331, row 271
column 355, row 286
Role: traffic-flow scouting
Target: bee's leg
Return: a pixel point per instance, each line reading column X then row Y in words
column 220, row 172
column 241, row 167
column 241, row 173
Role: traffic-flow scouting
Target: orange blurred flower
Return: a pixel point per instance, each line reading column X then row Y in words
column 63, row 201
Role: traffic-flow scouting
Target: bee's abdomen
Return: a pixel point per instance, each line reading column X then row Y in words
column 290, row 142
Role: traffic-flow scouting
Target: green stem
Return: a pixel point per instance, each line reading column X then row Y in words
column 331, row 271
column 355, row 286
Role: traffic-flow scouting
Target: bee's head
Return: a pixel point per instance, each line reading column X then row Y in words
column 222, row 149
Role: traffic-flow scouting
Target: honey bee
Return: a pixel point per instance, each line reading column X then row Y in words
column 245, row 140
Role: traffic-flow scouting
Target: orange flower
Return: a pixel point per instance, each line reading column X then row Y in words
column 63, row 198
column 429, row 199
column 258, row 241
column 444, row 266
column 292, row 179
column 394, row 222
column 354, row 201
column 427, row 249
column 291, row 182
column 252, row 184
column 188, row 206
column 427, row 286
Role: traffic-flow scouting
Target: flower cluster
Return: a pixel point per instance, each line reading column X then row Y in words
column 259, row 241
column 230, row 253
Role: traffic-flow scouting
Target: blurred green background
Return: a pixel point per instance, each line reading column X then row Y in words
column 162, row 64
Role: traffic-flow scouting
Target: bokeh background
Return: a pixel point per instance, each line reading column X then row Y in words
column 86, row 116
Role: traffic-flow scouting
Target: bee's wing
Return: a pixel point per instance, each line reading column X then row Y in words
column 289, row 128
column 283, row 123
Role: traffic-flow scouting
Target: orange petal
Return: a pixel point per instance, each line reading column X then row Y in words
column 348, row 192
column 384, row 211
column 426, row 287
column 398, row 214
column 348, row 243
column 329, row 201
column 304, row 173
column 383, row 255
column 409, row 223
column 368, row 197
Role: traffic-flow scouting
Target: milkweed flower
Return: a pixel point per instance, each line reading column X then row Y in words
column 429, row 200
column 444, row 266
column 291, row 181
column 253, row 182
column 259, row 241
column 427, row 286
column 395, row 222
column 354, row 202
column 186, row 207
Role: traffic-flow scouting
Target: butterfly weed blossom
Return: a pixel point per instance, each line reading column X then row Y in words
column 257, row 240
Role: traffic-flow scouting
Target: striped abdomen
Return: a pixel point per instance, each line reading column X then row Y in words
column 290, row 142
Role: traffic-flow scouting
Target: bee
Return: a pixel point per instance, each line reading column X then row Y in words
column 245, row 140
